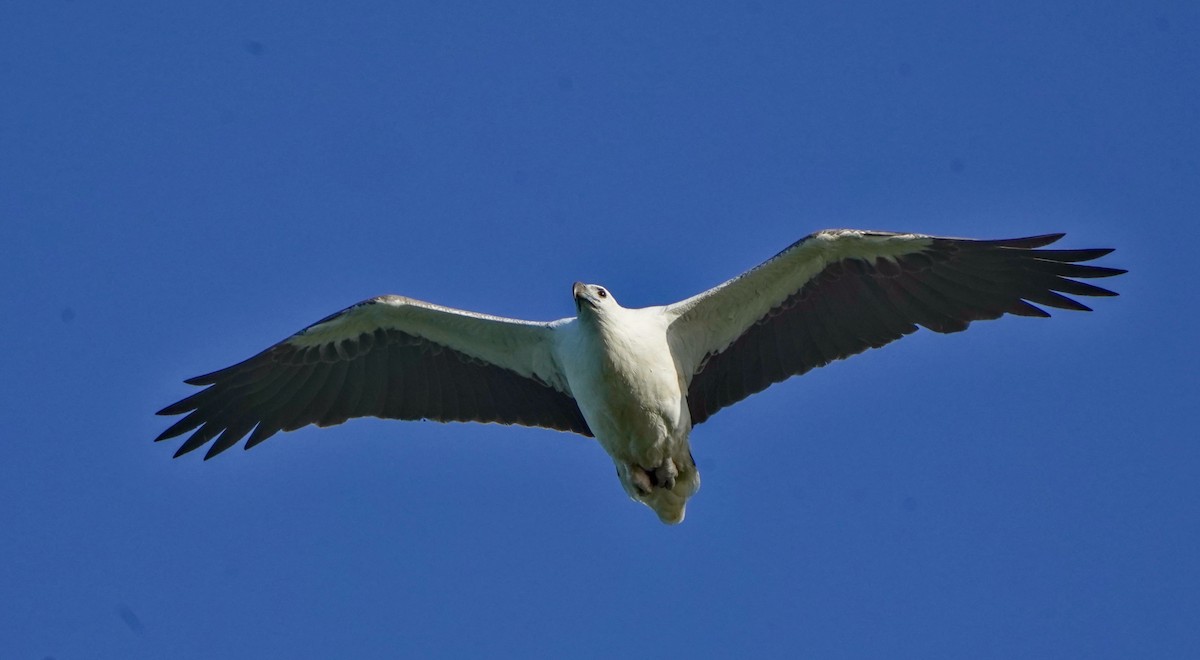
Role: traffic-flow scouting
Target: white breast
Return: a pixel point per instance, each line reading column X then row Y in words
column 623, row 375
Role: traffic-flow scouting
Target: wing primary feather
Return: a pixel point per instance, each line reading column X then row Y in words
column 245, row 366
column 193, row 401
column 194, row 419
column 215, row 421
column 280, row 408
column 1027, row 242
column 935, row 316
column 1052, row 299
column 1012, row 286
column 1073, row 256
column 228, row 438
column 261, row 400
column 256, row 376
column 244, row 409
column 1066, row 269
column 1076, row 288
column 273, row 404
column 1028, row 309
column 1039, row 285
column 202, row 435
column 283, row 395
column 973, row 304
column 262, row 431
column 296, row 407
column 1004, row 283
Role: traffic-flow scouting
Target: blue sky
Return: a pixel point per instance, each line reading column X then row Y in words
column 182, row 184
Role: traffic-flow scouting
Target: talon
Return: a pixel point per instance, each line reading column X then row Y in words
column 641, row 481
column 665, row 474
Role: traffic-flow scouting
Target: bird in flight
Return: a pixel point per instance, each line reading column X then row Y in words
column 637, row 380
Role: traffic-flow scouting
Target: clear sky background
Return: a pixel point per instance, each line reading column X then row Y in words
column 182, row 184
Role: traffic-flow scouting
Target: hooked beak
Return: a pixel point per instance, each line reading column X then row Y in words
column 595, row 296
column 582, row 296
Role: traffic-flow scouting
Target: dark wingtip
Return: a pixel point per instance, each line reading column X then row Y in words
column 1025, row 242
column 1100, row 291
column 1093, row 253
column 1073, row 256
column 1101, row 271
column 1041, row 240
column 206, row 379
column 180, row 427
column 249, row 363
column 178, row 408
column 1025, row 308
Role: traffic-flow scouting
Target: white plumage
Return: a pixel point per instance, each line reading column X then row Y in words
column 636, row 379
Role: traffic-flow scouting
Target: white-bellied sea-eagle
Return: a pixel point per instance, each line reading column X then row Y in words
column 637, row 380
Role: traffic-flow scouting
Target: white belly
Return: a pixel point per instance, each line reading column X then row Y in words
column 623, row 376
column 631, row 397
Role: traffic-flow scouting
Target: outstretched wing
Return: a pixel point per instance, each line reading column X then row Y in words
column 837, row 293
column 390, row 357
